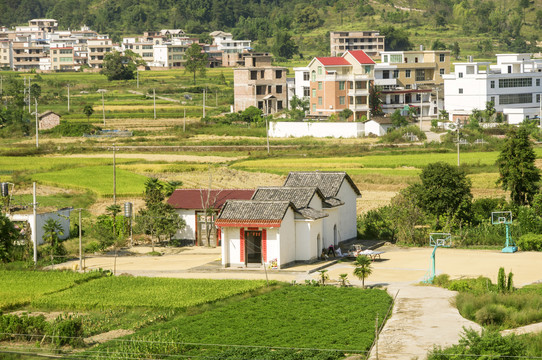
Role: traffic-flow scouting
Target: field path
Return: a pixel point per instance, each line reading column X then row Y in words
column 422, row 317
column 159, row 97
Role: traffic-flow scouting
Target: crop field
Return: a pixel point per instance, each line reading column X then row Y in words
column 129, row 292
column 98, row 179
column 356, row 165
column 341, row 321
column 10, row 164
column 21, row 287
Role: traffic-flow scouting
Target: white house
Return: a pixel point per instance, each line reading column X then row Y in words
column 378, row 126
column 225, row 43
column 190, row 204
column 513, row 84
column 62, row 216
column 283, row 225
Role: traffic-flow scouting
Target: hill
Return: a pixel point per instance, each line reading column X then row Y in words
column 480, row 27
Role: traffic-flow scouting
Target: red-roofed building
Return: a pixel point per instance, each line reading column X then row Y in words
column 190, row 204
column 339, row 83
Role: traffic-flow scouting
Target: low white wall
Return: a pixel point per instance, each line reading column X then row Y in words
column 282, row 129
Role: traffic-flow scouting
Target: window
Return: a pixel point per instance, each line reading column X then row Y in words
column 515, row 99
column 306, row 91
column 313, row 92
column 420, row 74
column 492, row 84
column 395, row 74
column 396, row 58
column 313, row 75
column 537, row 82
column 367, row 69
column 147, row 54
column 407, row 73
column 492, row 99
column 278, row 74
column 408, row 87
column 320, row 100
column 305, row 76
column 319, row 70
column 341, row 85
column 415, row 59
column 262, row 74
column 460, row 90
column 460, row 75
column 441, row 71
column 341, row 100
column 279, row 89
column 313, row 107
column 253, row 75
column 418, row 97
column 515, row 82
column 319, row 85
column 385, row 59
column 279, row 105
column 441, row 57
column 385, row 74
column 537, row 98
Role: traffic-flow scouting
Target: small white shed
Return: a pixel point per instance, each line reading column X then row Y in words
column 62, row 216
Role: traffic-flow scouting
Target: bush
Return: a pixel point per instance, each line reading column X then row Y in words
column 530, row 242
column 72, row 129
column 492, row 314
column 67, row 330
column 396, row 136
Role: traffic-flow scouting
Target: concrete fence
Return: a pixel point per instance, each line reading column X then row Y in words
column 316, row 129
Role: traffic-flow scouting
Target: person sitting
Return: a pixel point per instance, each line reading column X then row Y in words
column 331, row 250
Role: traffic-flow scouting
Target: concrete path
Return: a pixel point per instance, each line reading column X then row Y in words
column 533, row 328
column 422, row 318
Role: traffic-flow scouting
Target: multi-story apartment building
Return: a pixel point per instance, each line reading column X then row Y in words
column 261, row 85
column 514, row 85
column 338, row 83
column 97, row 49
column 5, row 53
column 145, row 49
column 26, row 54
column 169, row 54
column 63, row 59
column 412, row 78
column 369, row 41
column 46, row 25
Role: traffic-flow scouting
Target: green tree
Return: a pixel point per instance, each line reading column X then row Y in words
column 445, row 190
column 284, row 46
column 363, row 268
column 117, row 66
column 517, row 170
column 113, row 210
column 157, row 219
column 375, row 100
column 8, row 236
column 88, row 110
column 456, row 50
column 438, row 45
column 307, row 17
column 345, row 114
column 35, row 90
column 405, row 214
column 195, row 60
column 396, row 39
column 52, row 230
column 398, row 120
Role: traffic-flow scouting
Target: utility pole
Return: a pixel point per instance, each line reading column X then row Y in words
column 154, row 101
column 204, row 103
column 35, row 221
column 68, row 97
column 37, row 124
column 114, row 176
column 103, row 106
column 80, row 244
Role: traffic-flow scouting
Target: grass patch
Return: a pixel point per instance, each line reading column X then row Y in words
column 10, row 164
column 130, row 292
column 262, row 326
column 98, row 179
column 21, row 287
column 61, row 200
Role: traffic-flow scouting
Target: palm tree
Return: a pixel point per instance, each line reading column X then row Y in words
column 363, row 268
column 323, row 276
column 113, row 210
column 343, row 279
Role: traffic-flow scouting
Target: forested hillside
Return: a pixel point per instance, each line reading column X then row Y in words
column 480, row 27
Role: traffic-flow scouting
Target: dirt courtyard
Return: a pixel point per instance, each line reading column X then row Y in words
column 397, row 265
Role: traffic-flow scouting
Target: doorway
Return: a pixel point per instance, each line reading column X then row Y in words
column 253, row 247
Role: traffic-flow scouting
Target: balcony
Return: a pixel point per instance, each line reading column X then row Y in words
column 386, row 82
column 359, row 107
column 358, row 92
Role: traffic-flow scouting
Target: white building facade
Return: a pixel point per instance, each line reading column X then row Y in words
column 514, row 85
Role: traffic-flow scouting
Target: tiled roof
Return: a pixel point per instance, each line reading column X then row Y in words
column 311, row 213
column 253, row 210
column 361, row 57
column 329, row 182
column 333, row 61
column 299, row 196
column 192, row 198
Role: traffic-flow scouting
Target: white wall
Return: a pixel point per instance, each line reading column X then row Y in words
column 303, row 249
column 317, row 129
column 189, row 232
column 273, row 245
column 347, row 212
column 62, row 216
column 328, row 223
column 373, row 127
column 287, row 239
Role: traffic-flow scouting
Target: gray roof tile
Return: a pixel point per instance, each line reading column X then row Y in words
column 254, row 210
column 329, row 182
column 299, row 196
